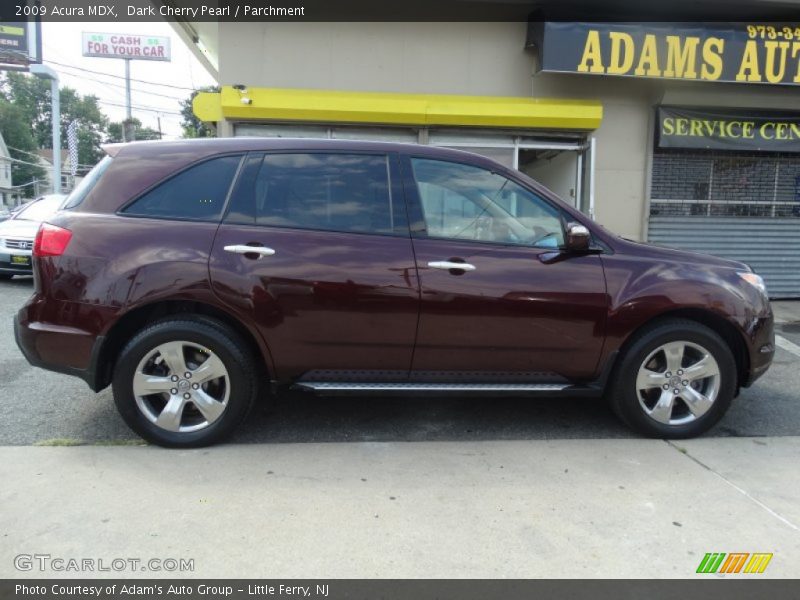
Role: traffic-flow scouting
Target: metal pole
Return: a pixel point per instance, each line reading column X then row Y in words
column 127, row 88
column 56, row 136
column 592, row 155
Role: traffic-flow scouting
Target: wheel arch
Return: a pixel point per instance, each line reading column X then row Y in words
column 135, row 319
column 725, row 329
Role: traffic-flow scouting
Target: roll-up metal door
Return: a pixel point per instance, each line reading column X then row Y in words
column 743, row 206
column 770, row 246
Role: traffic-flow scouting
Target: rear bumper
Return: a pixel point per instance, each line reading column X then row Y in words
column 59, row 349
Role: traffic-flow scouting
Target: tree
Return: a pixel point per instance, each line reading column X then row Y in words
column 192, row 126
column 114, row 132
column 21, row 145
column 31, row 96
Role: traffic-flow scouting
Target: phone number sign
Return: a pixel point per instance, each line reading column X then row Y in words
column 125, row 45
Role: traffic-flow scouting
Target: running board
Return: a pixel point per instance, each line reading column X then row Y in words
column 346, row 386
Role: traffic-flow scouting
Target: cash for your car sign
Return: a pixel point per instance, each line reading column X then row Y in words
column 127, row 46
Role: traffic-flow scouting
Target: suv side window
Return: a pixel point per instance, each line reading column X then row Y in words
column 336, row 192
column 198, row 193
column 470, row 203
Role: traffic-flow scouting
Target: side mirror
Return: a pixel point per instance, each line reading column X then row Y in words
column 578, row 237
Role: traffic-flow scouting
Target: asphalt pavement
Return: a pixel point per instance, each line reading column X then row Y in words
column 41, row 407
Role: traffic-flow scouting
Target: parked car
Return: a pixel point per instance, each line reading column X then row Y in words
column 4, row 213
column 191, row 275
column 17, row 234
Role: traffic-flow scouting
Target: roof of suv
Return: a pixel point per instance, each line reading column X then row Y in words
column 201, row 147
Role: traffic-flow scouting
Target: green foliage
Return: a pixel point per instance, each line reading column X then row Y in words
column 19, row 137
column 31, row 96
column 115, row 135
column 192, row 126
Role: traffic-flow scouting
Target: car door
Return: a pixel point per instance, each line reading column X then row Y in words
column 315, row 250
column 498, row 297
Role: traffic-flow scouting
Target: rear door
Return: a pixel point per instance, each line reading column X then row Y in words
column 315, row 249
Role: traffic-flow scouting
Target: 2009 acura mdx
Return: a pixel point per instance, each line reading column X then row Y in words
column 193, row 275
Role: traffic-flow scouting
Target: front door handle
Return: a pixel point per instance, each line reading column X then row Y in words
column 447, row 265
column 244, row 249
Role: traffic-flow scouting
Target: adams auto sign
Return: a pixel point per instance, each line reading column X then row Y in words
column 125, row 45
column 736, row 52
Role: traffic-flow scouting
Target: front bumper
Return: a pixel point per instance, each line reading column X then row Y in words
column 760, row 332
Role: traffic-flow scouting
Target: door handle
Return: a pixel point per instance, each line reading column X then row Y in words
column 447, row 265
column 243, row 249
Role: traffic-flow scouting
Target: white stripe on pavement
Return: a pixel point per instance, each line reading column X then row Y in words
column 782, row 342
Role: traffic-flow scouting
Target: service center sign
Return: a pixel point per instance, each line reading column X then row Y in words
column 126, row 45
column 734, row 52
column 728, row 129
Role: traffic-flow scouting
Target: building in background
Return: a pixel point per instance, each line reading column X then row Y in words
column 45, row 185
column 9, row 195
column 643, row 126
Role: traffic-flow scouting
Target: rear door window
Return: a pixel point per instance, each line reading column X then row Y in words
column 197, row 193
column 324, row 191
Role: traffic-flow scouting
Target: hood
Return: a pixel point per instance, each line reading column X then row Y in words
column 19, row 228
column 674, row 255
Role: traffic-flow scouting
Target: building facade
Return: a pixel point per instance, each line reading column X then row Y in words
column 593, row 117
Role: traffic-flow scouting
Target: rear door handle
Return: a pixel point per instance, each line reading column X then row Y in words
column 243, row 249
column 447, row 265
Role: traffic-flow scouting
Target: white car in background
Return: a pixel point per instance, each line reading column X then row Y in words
column 18, row 233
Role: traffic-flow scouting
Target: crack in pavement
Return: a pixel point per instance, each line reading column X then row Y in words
column 739, row 489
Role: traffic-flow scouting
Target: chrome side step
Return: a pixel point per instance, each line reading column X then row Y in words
column 346, row 386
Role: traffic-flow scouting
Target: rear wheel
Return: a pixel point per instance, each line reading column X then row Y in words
column 184, row 382
column 676, row 380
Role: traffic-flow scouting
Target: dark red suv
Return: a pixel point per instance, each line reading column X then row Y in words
column 194, row 275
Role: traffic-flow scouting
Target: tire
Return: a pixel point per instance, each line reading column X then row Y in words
column 637, row 391
column 5, row 276
column 201, row 409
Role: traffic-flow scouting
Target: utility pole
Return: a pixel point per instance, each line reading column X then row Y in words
column 128, row 130
column 46, row 72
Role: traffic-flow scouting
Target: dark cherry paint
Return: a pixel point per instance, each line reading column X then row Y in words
column 338, row 301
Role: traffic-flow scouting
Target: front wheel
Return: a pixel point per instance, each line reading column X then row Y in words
column 184, row 383
column 676, row 380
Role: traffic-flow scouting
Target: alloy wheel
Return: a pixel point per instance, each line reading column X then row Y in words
column 678, row 383
column 181, row 386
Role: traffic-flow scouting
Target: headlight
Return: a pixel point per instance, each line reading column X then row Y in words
column 755, row 280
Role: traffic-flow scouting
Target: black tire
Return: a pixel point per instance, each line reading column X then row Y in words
column 624, row 397
column 5, row 276
column 225, row 343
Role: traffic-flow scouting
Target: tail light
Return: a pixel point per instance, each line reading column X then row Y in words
column 51, row 240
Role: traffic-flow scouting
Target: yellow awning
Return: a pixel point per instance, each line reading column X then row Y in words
column 326, row 106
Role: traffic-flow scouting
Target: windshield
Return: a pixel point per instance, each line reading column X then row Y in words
column 41, row 209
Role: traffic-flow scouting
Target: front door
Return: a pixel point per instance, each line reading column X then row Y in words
column 497, row 296
column 315, row 250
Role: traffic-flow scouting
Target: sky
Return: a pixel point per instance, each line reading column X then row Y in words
column 61, row 45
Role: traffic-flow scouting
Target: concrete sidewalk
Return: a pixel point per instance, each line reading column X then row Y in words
column 564, row 508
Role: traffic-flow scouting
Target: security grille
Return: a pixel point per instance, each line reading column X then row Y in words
column 740, row 206
column 725, row 185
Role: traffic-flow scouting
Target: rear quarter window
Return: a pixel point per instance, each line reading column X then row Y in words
column 197, row 193
column 87, row 183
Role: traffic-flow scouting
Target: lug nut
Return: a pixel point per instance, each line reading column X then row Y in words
column 195, row 386
column 680, row 372
column 685, row 382
column 187, row 395
column 187, row 375
column 174, row 378
column 666, row 386
column 668, row 374
column 173, row 391
column 676, row 391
